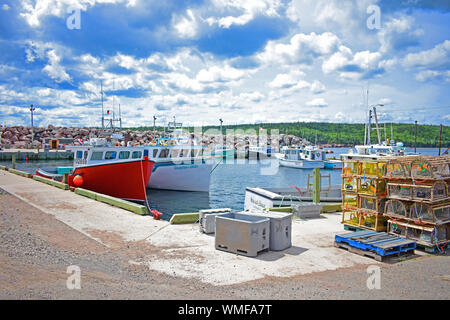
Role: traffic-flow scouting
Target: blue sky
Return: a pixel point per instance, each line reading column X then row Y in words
column 242, row 61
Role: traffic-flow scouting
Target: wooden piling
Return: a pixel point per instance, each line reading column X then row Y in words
column 316, row 185
column 13, row 161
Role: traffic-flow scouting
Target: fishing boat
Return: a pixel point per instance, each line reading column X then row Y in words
column 260, row 152
column 107, row 168
column 221, row 151
column 382, row 149
column 308, row 157
column 179, row 165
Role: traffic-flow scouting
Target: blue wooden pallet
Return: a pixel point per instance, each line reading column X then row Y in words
column 381, row 243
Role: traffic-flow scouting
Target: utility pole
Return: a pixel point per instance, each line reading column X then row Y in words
column 32, row 129
column 440, row 139
column 415, row 136
column 221, row 135
column 154, row 122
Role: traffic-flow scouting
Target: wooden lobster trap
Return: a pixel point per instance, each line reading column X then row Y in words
column 428, row 213
column 371, row 204
column 402, row 191
column 364, row 220
column 350, row 168
column 350, row 217
column 350, row 184
column 373, row 168
column 371, row 186
column 430, row 192
column 427, row 167
column 396, row 169
column 397, row 208
column 349, row 201
column 424, row 234
column 376, row 222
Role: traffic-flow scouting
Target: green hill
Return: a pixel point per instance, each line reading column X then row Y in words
column 348, row 134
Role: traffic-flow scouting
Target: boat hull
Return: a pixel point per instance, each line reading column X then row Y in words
column 301, row 164
column 194, row 176
column 125, row 180
column 329, row 164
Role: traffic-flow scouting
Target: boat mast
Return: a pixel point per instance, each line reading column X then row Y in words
column 103, row 114
column 376, row 122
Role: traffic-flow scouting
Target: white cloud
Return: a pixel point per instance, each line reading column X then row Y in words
column 5, row 7
column 398, row 34
column 302, row 48
column 435, row 58
column 318, row 102
column 218, row 74
column 54, row 69
column 433, row 74
column 35, row 10
column 248, row 10
column 185, row 26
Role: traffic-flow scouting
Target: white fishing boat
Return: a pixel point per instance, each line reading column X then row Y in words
column 382, row 149
column 179, row 165
column 221, row 151
column 308, row 157
column 260, row 152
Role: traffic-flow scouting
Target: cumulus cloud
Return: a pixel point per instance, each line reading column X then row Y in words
column 435, row 58
column 248, row 9
column 318, row 102
column 398, row 34
column 302, row 48
column 186, row 26
column 356, row 66
column 54, row 68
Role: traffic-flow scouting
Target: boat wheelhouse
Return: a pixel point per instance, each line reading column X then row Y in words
column 308, row 157
column 179, row 165
column 103, row 167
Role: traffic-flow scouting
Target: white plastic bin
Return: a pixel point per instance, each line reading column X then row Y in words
column 242, row 233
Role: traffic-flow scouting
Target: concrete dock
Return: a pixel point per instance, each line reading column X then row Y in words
column 182, row 249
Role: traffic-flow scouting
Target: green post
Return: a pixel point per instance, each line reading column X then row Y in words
column 66, row 178
column 316, row 185
column 13, row 161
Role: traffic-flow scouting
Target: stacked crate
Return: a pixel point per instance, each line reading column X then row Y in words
column 364, row 194
column 418, row 205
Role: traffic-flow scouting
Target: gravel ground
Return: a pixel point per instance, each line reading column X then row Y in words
column 36, row 250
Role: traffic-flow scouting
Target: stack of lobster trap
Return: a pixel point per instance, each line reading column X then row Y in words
column 407, row 196
column 364, row 195
column 418, row 205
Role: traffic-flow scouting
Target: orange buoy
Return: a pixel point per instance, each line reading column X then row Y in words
column 78, row 180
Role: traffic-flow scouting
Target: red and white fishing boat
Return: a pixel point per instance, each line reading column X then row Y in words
column 115, row 170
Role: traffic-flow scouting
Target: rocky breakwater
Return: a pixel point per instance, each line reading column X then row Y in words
column 20, row 137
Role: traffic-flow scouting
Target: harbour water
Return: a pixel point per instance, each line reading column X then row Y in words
column 228, row 182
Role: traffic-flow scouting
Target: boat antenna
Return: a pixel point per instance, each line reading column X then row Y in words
column 103, row 114
column 120, row 118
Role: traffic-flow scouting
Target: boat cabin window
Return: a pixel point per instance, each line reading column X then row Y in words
column 136, row 154
column 164, row 153
column 175, row 153
column 86, row 154
column 79, row 154
column 185, row 153
column 110, row 155
column 155, row 153
column 97, row 155
column 124, row 154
